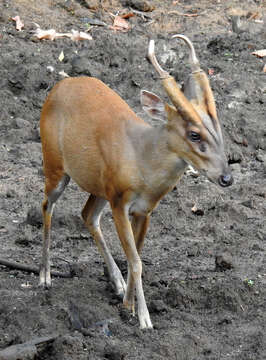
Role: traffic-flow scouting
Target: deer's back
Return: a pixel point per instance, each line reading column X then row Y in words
column 86, row 125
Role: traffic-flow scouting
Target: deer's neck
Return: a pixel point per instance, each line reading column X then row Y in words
column 161, row 167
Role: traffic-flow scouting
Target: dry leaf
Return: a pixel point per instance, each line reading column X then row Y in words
column 61, row 56
column 253, row 15
column 52, row 34
column 120, row 24
column 19, row 23
column 259, row 53
column 79, row 35
column 63, row 74
column 45, row 34
column 264, row 68
column 128, row 15
column 26, row 285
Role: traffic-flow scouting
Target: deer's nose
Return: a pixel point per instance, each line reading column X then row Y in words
column 225, row 180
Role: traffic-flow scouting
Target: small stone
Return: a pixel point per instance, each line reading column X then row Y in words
column 157, row 306
column 113, row 352
column 10, row 194
column 176, row 294
column 21, row 123
column 233, row 105
column 34, row 217
column 193, row 250
column 139, row 5
column 197, row 211
column 223, row 262
column 261, row 156
column 248, row 203
column 69, row 5
column 91, row 4
column 235, row 156
column 80, row 65
column 256, row 247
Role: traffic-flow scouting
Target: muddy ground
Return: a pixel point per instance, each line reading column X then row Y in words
column 204, row 274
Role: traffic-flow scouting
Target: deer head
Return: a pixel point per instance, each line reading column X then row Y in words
column 194, row 128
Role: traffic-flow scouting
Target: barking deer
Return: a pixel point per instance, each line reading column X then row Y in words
column 91, row 135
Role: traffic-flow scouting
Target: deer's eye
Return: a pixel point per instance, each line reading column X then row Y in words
column 194, row 136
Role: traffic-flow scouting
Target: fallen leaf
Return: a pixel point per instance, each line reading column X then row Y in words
column 259, row 53
column 210, row 71
column 26, row 285
column 45, row 34
column 61, row 56
column 253, row 15
column 63, row 74
column 128, row 15
column 79, row 35
column 120, row 24
column 264, row 68
column 51, row 34
column 19, row 23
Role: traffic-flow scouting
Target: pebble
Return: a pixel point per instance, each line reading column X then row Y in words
column 223, row 262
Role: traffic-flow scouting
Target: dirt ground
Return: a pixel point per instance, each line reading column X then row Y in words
column 204, row 274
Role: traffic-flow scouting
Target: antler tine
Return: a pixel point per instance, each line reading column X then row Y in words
column 181, row 103
column 193, row 58
column 151, row 54
column 203, row 90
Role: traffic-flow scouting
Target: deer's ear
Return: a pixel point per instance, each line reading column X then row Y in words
column 152, row 105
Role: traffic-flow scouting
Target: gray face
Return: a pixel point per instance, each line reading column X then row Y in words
column 217, row 168
column 209, row 146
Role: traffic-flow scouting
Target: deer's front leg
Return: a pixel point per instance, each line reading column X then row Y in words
column 139, row 225
column 126, row 237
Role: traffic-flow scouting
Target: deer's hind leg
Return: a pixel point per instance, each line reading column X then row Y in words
column 52, row 193
column 91, row 214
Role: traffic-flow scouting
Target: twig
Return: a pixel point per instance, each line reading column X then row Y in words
column 182, row 14
column 29, row 268
column 149, row 23
column 141, row 13
column 42, row 339
column 62, row 259
column 26, row 350
column 253, row 16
